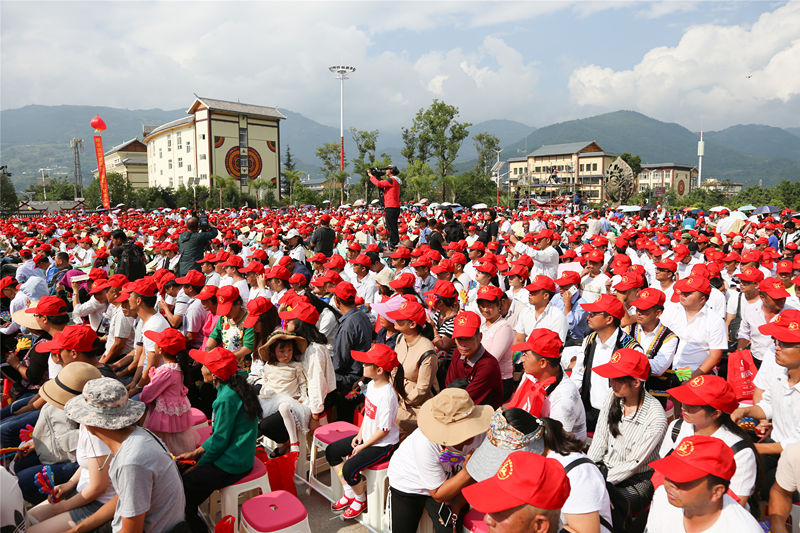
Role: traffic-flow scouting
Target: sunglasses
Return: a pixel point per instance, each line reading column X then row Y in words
column 787, row 345
column 595, row 313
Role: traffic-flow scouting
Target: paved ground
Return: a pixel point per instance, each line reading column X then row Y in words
column 320, row 517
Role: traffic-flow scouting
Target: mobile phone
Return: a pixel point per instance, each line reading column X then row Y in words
column 445, row 515
column 572, row 290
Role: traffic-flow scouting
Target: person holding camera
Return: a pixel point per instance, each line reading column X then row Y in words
column 193, row 243
column 390, row 184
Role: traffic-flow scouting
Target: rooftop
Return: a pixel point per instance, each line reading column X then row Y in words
column 560, row 149
column 666, row 165
column 236, row 107
column 175, row 123
column 119, row 147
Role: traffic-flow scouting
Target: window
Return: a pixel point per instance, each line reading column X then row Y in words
column 242, row 137
column 581, row 168
column 171, row 184
column 160, row 154
column 538, row 169
column 180, row 181
column 189, row 168
column 243, row 165
column 202, row 136
column 203, row 176
column 169, row 143
column 160, row 172
column 178, row 139
column 594, row 166
column 202, row 157
column 180, row 162
column 169, row 164
column 188, row 146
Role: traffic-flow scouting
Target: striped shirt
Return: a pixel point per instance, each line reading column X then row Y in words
column 637, row 445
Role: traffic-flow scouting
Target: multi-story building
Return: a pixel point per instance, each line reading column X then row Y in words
column 681, row 178
column 130, row 160
column 581, row 165
column 727, row 188
column 222, row 138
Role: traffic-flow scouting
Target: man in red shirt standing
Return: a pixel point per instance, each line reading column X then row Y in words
column 390, row 184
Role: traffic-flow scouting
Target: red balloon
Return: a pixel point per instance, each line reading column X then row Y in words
column 97, row 123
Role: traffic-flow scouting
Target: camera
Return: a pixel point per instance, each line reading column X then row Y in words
column 203, row 221
column 380, row 171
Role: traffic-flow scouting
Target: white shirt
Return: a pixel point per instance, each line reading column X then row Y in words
column 545, row 262
column 743, row 482
column 156, row 323
column 662, row 360
column 564, row 404
column 193, row 320
column 380, row 412
column 415, row 467
column 588, row 488
column 244, row 289
column 366, row 289
column 666, row 518
column 213, row 279
column 93, row 309
column 552, row 318
column 781, row 403
column 120, row 326
column 593, row 287
column 602, row 355
column 89, row 447
column 706, row 331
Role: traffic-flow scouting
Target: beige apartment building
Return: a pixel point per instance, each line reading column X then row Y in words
column 556, row 166
column 681, row 178
column 228, row 139
column 130, row 160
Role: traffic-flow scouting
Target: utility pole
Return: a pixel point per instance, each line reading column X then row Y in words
column 341, row 72
column 701, row 150
column 77, row 145
column 44, row 182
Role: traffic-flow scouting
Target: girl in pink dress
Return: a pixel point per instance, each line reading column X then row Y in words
column 169, row 414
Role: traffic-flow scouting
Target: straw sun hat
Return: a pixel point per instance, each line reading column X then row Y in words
column 451, row 417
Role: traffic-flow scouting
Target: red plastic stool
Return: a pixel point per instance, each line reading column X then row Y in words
column 473, row 522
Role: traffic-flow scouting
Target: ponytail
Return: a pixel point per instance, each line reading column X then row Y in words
column 615, row 411
column 558, row 440
column 185, row 364
column 398, row 381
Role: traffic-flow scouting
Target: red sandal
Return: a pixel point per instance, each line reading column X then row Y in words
column 341, row 504
column 355, row 509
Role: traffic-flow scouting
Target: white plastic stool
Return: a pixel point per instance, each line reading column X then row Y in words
column 276, row 512
column 229, row 496
column 376, row 480
column 323, row 436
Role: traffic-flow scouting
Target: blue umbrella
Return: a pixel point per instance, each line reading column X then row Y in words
column 748, row 207
column 767, row 209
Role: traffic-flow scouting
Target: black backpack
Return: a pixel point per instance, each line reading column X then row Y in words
column 131, row 262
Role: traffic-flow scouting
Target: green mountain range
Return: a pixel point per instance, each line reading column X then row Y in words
column 36, row 137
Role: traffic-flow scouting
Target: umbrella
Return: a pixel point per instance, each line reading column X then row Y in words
column 434, row 205
column 695, row 212
column 344, row 206
column 375, row 201
column 629, row 208
column 738, row 215
column 767, row 209
column 480, row 206
column 748, row 207
column 718, row 208
column 360, row 202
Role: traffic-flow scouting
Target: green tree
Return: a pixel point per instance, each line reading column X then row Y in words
column 292, row 178
column 473, row 187
column 329, row 154
column 487, row 146
column 365, row 146
column 155, row 197
column 119, row 191
column 9, row 203
column 289, row 163
column 436, row 134
column 634, row 161
column 58, row 188
column 421, row 180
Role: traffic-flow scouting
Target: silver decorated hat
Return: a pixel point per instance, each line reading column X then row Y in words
column 104, row 404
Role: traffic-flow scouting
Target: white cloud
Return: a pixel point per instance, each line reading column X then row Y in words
column 714, row 77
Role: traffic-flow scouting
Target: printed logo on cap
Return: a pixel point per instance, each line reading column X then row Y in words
column 697, row 382
column 404, row 305
column 506, row 469
column 616, row 357
column 794, row 325
column 644, row 294
column 777, row 285
column 686, row 448
column 461, row 321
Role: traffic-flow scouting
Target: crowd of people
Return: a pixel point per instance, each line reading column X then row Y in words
column 596, row 372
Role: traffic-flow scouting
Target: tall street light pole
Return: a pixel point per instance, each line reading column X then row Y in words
column 341, row 72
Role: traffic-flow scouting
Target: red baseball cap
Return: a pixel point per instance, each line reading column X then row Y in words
column 142, row 287
column 523, row 478
column 668, row 264
column 253, row 266
column 259, row 254
column 487, row 267
column 409, row 311
column 209, row 291
column 278, row 272
column 171, row 340
column 459, row 258
column 595, row 256
column 297, row 277
column 401, row 253
column 225, row 297
column 99, row 286
column 255, row 308
column 345, row 291
column 303, row 311
column 318, row 257
column 697, row 456
column 625, row 362
column 98, row 273
column 445, row 265
column 784, row 267
column 423, row 261
column 648, row 298
column 707, row 390
column 80, row 338
column 784, row 327
column 7, row 281
column 732, row 257
column 49, row 306
column 490, row 293
column 443, row 288
column 568, row 277
column 234, row 261
column 541, row 282
column 751, row 274
column 403, row 281
column 629, row 281
column 331, row 276
column 466, row 324
column 518, row 270
column 542, row 341
column 219, row 361
column 691, row 284
column 335, row 261
column 477, row 245
column 378, row 355
column 773, row 287
column 195, row 278
column 606, row 304
column 362, row 260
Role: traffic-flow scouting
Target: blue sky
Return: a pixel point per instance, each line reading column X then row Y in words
column 535, row 62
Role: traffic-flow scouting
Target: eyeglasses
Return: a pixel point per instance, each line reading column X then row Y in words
column 595, row 313
column 786, row 345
